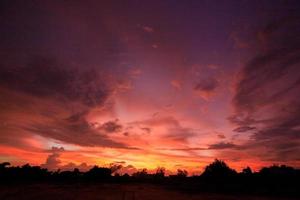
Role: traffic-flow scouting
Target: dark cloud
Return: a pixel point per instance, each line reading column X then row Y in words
column 274, row 72
column 126, row 133
column 76, row 117
column 244, row 129
column 120, row 162
column 216, row 146
column 146, row 129
column 180, row 134
column 221, row 136
column 222, row 145
column 267, row 96
column 46, row 80
column 207, row 85
column 111, row 126
column 46, row 77
column 183, row 149
column 78, row 132
column 115, row 167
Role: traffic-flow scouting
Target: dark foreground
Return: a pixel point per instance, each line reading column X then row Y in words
column 218, row 181
column 111, row 192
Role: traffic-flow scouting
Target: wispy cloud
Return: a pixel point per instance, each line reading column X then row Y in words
column 266, row 98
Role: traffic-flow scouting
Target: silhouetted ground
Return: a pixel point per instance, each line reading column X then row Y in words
column 218, row 181
column 111, row 192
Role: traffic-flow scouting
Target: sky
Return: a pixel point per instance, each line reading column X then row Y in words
column 147, row 84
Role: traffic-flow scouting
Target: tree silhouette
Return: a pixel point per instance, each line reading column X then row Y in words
column 217, row 177
column 98, row 173
column 160, row 172
column 141, row 174
column 3, row 165
column 218, row 169
column 181, row 173
column 247, row 171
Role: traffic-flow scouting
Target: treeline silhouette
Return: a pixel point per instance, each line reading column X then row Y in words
column 217, row 177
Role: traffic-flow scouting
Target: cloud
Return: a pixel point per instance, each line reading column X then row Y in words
column 267, row 95
column 78, row 132
column 183, row 149
column 222, row 145
column 146, row 129
column 148, row 29
column 124, row 85
column 216, row 146
column 115, row 166
column 76, row 117
column 53, row 162
column 120, row 162
column 221, row 136
column 25, row 118
column 129, row 169
column 176, row 84
column 121, row 168
column 71, row 166
column 56, row 100
column 244, row 129
column 158, row 121
column 206, row 87
column 173, row 131
column 135, row 72
column 154, row 46
column 46, row 77
column 180, row 134
column 111, row 126
column 238, row 41
column 273, row 73
column 126, row 133
column 213, row 66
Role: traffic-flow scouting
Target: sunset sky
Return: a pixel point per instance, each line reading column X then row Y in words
column 150, row 84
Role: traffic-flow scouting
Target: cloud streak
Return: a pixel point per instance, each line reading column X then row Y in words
column 266, row 96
